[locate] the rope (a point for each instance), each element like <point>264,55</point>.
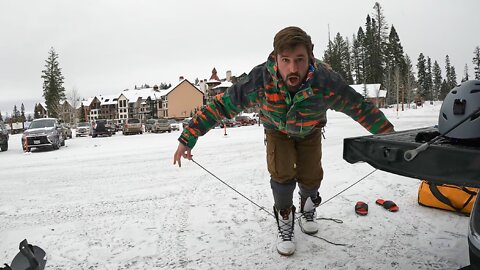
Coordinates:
<point>270,213</point>
<point>345,189</point>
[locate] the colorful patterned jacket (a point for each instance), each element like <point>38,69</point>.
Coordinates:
<point>296,115</point>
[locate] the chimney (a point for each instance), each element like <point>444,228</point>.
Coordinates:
<point>180,78</point>
<point>229,75</point>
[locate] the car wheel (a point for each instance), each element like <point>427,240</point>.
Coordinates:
<point>94,135</point>
<point>4,146</point>
<point>62,143</point>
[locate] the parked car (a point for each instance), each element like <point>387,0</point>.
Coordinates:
<point>3,137</point>
<point>67,131</point>
<point>83,129</point>
<point>161,125</point>
<point>43,132</point>
<point>111,126</point>
<point>186,121</point>
<point>149,125</point>
<point>174,125</point>
<point>100,127</point>
<point>231,122</point>
<point>245,120</point>
<point>132,126</point>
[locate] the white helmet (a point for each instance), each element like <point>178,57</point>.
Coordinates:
<point>460,102</point>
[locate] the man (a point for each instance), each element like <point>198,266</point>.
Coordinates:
<point>294,91</point>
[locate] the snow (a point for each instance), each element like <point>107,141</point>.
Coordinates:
<point>119,203</point>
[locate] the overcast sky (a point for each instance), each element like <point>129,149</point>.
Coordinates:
<point>107,46</point>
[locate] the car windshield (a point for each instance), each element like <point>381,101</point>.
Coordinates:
<point>133,121</point>
<point>151,121</point>
<point>162,121</point>
<point>44,123</point>
<point>83,124</point>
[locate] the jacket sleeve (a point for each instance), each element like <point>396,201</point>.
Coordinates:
<point>339,96</point>
<point>239,96</point>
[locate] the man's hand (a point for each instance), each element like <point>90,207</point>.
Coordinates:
<point>182,151</point>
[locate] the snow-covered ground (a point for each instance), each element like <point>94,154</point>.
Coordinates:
<point>119,203</point>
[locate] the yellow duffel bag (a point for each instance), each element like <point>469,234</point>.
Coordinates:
<point>447,197</point>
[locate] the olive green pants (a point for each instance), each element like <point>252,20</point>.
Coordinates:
<point>294,160</point>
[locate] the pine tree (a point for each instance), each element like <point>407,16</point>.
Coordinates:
<point>53,90</point>
<point>381,39</point>
<point>437,80</point>
<point>1,117</point>
<point>444,89</point>
<point>358,56</point>
<point>368,44</point>
<point>338,57</point>
<point>453,78</point>
<point>421,75</point>
<point>81,114</point>
<point>36,111</point>
<point>395,64</point>
<point>22,113</point>
<point>15,114</point>
<point>450,76</point>
<point>476,62</point>
<point>409,78</point>
<point>429,80</point>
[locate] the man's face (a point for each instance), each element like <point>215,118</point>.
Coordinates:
<point>293,66</point>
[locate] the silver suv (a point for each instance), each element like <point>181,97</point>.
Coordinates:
<point>162,125</point>
<point>132,126</point>
<point>43,132</point>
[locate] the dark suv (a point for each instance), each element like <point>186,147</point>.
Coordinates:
<point>101,127</point>
<point>3,137</point>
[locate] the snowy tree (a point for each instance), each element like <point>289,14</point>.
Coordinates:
<point>465,73</point>
<point>53,90</point>
<point>476,62</point>
<point>74,99</point>
<point>1,117</point>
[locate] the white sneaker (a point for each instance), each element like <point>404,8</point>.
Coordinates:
<point>307,221</point>
<point>285,222</point>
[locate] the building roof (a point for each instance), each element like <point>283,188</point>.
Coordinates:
<point>224,84</point>
<point>108,99</point>
<point>373,90</point>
